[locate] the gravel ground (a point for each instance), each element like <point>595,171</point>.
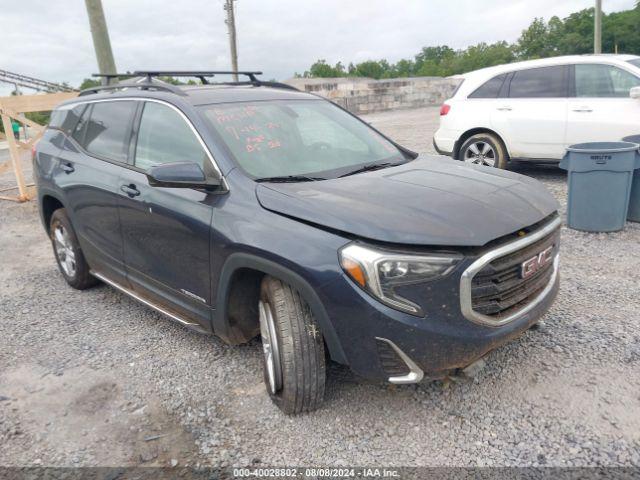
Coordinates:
<point>93,378</point>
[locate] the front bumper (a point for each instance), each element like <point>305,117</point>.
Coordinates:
<point>436,346</point>
<point>446,338</point>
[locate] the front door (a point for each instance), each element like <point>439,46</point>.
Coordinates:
<point>602,110</point>
<point>167,231</point>
<point>532,118</point>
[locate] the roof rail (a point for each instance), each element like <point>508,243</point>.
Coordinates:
<point>148,79</point>
<point>141,83</point>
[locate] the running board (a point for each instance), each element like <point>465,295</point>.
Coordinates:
<point>193,326</point>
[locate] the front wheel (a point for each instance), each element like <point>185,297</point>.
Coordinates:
<point>294,357</point>
<point>484,149</point>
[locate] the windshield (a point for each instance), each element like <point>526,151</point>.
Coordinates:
<point>635,62</point>
<point>313,139</point>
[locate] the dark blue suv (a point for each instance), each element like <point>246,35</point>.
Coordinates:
<point>251,208</point>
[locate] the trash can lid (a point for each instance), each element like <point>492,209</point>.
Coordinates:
<point>603,147</point>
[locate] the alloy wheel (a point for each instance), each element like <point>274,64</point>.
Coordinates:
<point>270,347</point>
<point>64,250</point>
<point>480,153</point>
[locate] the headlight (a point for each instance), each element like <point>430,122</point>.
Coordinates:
<point>380,272</point>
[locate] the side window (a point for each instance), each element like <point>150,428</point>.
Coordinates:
<point>66,119</point>
<point>165,137</point>
<point>603,81</point>
<point>108,130</point>
<point>80,127</point>
<point>490,89</point>
<point>544,82</point>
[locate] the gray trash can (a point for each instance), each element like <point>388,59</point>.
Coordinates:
<point>634,201</point>
<point>599,180</point>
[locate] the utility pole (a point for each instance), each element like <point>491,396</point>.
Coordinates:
<point>231,25</point>
<point>101,43</point>
<point>597,29</point>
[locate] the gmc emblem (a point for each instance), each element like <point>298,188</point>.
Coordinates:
<point>531,266</point>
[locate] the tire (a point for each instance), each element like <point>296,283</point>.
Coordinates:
<point>295,374</point>
<point>484,149</point>
<point>66,249</point>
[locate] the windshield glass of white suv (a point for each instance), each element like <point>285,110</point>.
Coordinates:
<point>635,62</point>
<point>298,138</point>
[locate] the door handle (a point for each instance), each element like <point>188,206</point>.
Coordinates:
<point>583,109</point>
<point>67,168</point>
<point>506,108</point>
<point>130,190</point>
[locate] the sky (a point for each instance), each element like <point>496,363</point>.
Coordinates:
<point>51,40</point>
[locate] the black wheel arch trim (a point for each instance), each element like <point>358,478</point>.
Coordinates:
<point>241,260</point>
<point>47,192</point>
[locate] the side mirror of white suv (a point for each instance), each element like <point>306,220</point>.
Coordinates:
<point>634,92</point>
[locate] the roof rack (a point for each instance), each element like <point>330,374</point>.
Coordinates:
<point>147,79</point>
<point>202,75</point>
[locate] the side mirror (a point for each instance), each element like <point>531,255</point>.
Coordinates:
<point>180,175</point>
<point>635,92</point>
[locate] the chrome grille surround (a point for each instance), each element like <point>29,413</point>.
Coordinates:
<point>466,303</point>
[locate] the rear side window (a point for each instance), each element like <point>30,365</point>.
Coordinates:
<point>80,128</point>
<point>67,119</point>
<point>603,81</point>
<point>455,91</point>
<point>544,82</point>
<point>165,137</point>
<point>490,89</point>
<point>108,130</point>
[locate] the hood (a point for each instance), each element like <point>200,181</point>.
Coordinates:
<point>428,201</point>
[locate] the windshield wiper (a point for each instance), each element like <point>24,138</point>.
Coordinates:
<point>368,168</point>
<point>290,179</point>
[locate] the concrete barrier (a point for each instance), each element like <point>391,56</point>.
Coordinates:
<point>365,95</point>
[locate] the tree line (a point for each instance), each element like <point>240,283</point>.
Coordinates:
<point>569,36</point>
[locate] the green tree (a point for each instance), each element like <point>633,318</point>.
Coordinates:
<point>89,83</point>
<point>322,69</point>
<point>569,36</point>
<point>372,69</point>
<point>536,41</point>
<point>621,32</point>
<point>484,55</point>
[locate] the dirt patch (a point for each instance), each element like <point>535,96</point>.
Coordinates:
<point>84,416</point>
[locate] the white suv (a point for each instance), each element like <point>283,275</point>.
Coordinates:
<point>534,110</point>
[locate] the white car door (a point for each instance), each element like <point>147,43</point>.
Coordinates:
<point>602,110</point>
<point>532,117</point>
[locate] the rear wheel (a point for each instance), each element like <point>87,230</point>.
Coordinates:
<point>71,261</point>
<point>293,348</point>
<point>484,149</point>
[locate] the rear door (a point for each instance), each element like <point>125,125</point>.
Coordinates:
<point>601,109</point>
<point>88,170</point>
<point>167,231</point>
<point>532,115</point>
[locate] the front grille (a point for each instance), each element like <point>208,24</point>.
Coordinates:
<point>498,289</point>
<point>392,364</point>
